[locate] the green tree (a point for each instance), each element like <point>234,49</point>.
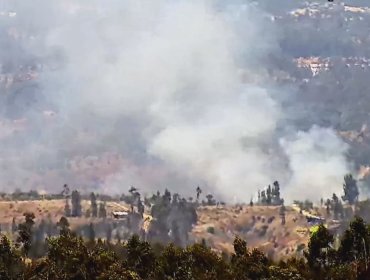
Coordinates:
<point>76,204</point>
<point>248,265</point>
<point>94,205</point>
<point>117,271</point>
<point>355,243</point>
<point>268,195</point>
<point>319,248</point>
<point>174,263</point>
<point>140,257</point>
<point>206,264</point>
<point>67,258</point>
<point>11,265</point>
<point>63,226</point>
<point>25,232</point>
<point>350,189</point>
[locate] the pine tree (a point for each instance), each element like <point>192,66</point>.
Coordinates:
<point>268,195</point>
<point>76,204</point>
<point>94,205</point>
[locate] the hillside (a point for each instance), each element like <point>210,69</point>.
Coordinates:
<point>217,225</point>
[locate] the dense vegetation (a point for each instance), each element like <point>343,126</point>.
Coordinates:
<point>69,256</point>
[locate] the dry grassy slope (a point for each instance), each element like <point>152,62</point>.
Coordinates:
<point>277,241</point>
<point>47,208</point>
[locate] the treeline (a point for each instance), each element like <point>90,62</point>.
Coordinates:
<point>69,256</point>
<point>270,195</point>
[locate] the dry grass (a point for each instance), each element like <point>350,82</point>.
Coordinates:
<point>256,224</point>
<point>259,225</point>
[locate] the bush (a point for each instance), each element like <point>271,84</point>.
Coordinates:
<point>211,230</point>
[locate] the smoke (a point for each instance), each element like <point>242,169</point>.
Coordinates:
<point>316,159</point>
<point>177,88</point>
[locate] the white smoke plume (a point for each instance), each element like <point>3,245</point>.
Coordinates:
<point>176,88</point>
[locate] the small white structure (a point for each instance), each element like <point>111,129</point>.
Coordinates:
<point>119,214</point>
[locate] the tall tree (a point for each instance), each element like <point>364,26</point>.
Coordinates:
<point>268,195</point>
<point>67,208</point>
<point>76,204</point>
<point>11,264</point>
<point>355,243</point>
<point>350,189</point>
<point>328,206</point>
<point>276,193</point>
<point>335,205</point>
<point>263,198</point>
<point>319,248</point>
<point>199,191</point>
<point>25,232</point>
<point>102,210</point>
<point>282,214</point>
<point>94,205</point>
<point>140,208</point>
<point>91,233</point>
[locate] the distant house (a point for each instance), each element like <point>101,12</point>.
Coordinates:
<point>119,214</point>
<point>314,219</point>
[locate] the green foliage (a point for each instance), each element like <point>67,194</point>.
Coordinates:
<point>68,256</point>
<point>11,265</point>
<point>355,243</point>
<point>211,230</point>
<point>246,264</point>
<point>318,254</point>
<point>279,273</point>
<point>76,204</point>
<point>63,225</point>
<point>25,232</point>
<point>350,189</point>
<point>140,257</point>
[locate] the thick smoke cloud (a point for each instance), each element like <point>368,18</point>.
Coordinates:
<point>178,89</point>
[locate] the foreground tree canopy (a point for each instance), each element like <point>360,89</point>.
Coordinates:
<point>69,256</point>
